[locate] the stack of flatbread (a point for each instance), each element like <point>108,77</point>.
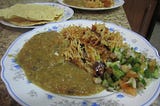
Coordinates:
<point>31,14</point>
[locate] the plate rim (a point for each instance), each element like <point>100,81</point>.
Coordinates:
<point>121,2</point>
<point>8,86</point>
<point>71,11</point>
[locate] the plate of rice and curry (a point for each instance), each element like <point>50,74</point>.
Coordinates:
<point>81,63</point>
<point>32,15</point>
<point>92,4</point>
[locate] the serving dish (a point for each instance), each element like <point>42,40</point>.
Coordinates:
<point>28,94</point>
<point>117,3</point>
<point>68,13</point>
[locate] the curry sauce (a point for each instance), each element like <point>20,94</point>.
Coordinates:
<point>44,65</point>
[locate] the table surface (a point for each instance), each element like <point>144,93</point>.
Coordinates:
<point>8,35</point>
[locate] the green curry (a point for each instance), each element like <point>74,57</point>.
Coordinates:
<point>44,65</point>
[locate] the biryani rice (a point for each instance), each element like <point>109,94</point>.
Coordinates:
<point>88,45</point>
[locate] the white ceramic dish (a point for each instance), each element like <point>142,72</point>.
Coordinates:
<point>117,3</point>
<point>68,13</point>
<point>28,94</point>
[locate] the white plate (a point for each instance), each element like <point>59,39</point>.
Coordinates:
<point>28,94</point>
<point>117,3</point>
<point>68,13</point>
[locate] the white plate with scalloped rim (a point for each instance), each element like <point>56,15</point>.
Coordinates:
<point>117,3</point>
<point>28,94</point>
<point>68,13</point>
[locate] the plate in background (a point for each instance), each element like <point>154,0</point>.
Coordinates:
<point>68,13</point>
<point>117,3</point>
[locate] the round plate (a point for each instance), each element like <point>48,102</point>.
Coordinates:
<point>28,94</point>
<point>68,13</point>
<point>117,3</point>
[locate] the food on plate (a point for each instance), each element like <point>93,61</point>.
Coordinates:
<point>90,3</point>
<point>91,58</point>
<point>24,22</point>
<point>112,63</point>
<point>31,14</point>
<point>44,65</point>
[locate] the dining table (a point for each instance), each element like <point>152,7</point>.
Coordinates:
<point>9,34</point>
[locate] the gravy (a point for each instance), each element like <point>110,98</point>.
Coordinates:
<point>44,65</point>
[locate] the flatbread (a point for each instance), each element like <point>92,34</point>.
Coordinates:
<point>24,22</point>
<point>31,14</point>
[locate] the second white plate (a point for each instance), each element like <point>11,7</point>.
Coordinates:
<point>117,3</point>
<point>68,13</point>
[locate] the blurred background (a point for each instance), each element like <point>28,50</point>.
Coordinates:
<point>144,18</point>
